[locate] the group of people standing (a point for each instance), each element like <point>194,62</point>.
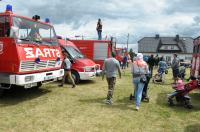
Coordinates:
<point>161,64</point>
<point>139,70</point>
<point>125,61</point>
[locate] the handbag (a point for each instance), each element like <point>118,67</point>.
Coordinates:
<point>143,79</point>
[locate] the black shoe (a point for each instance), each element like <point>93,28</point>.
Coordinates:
<point>61,85</point>
<point>145,99</point>
<point>131,97</point>
<point>73,86</point>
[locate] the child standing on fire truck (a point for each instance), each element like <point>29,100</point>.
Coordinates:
<point>67,69</point>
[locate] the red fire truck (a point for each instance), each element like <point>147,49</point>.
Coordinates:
<point>82,67</point>
<point>195,71</point>
<point>96,50</point>
<point>29,51</point>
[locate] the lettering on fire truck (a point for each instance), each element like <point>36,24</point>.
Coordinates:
<point>46,52</point>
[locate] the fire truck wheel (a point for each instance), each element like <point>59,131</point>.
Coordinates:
<point>1,92</point>
<point>76,77</point>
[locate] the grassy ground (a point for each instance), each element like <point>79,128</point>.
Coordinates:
<point>55,109</point>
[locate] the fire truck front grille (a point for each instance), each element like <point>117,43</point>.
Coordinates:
<point>51,64</point>
<point>32,65</point>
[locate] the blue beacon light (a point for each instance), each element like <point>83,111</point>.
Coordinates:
<point>58,59</point>
<point>47,20</point>
<point>9,8</point>
<point>37,60</point>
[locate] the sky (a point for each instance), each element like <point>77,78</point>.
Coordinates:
<point>138,18</point>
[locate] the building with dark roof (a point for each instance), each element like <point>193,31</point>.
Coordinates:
<point>167,46</point>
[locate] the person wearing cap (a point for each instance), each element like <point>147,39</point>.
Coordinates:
<point>139,70</point>
<point>110,68</point>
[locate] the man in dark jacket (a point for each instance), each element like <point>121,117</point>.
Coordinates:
<point>151,62</point>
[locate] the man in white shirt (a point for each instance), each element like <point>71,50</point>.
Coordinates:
<point>67,68</point>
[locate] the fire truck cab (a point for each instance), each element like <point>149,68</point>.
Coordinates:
<point>96,50</point>
<point>82,68</point>
<point>29,51</point>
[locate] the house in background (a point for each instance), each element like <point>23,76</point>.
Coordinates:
<point>167,46</point>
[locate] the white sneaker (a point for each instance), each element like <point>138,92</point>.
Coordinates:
<point>137,108</point>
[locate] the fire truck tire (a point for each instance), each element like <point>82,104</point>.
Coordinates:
<point>76,77</point>
<point>1,92</point>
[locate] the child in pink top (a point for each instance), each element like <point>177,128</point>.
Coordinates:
<point>179,85</point>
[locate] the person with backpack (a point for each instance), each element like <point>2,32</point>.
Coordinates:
<point>139,71</point>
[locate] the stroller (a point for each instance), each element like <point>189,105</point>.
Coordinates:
<point>145,89</point>
<point>181,96</point>
<point>159,77</point>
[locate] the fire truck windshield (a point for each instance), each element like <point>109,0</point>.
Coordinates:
<point>74,53</point>
<point>27,31</point>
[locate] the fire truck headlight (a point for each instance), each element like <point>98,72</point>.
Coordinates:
<point>29,78</point>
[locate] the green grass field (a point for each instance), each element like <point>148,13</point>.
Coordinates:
<point>55,109</point>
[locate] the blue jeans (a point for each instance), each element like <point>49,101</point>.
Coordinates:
<point>99,34</point>
<point>138,90</point>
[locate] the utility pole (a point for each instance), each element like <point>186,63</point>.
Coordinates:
<point>127,41</point>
